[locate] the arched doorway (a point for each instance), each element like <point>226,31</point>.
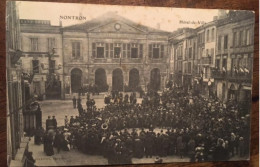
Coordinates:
<point>117,80</point>
<point>232,92</point>
<point>155,79</point>
<point>101,80</point>
<point>133,79</point>
<point>76,77</point>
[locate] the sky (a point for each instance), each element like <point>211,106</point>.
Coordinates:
<point>165,18</point>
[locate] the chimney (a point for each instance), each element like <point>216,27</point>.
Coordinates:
<point>222,14</point>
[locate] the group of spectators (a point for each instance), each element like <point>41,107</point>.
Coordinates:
<point>171,123</point>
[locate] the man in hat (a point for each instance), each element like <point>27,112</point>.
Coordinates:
<point>48,123</point>
<point>66,121</point>
<point>71,120</point>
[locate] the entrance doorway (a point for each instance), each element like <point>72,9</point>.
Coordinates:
<point>117,80</point>
<point>76,77</point>
<point>133,79</point>
<point>101,80</point>
<point>155,79</point>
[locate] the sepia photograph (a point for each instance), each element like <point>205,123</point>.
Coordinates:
<point>108,84</point>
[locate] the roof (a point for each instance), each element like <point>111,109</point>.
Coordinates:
<point>108,18</point>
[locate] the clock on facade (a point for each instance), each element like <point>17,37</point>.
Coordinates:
<point>117,26</point>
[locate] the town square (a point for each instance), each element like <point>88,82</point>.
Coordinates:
<point>109,89</point>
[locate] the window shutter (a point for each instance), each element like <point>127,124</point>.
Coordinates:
<point>107,50</point>
<point>111,50</point>
<point>162,51</point>
<point>150,50</point>
<point>128,50</point>
<point>141,51</point>
<point>93,50</point>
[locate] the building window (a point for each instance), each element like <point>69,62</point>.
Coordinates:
<point>219,43</point>
<point>134,52</point>
<point>235,39</point>
<point>213,34</point>
<point>224,63</point>
<point>51,44</point>
<point>100,52</point>
<point>76,49</point>
<point>244,38</point>
<point>52,66</point>
<point>34,44</point>
<point>35,64</point>
<point>189,67</point>
<point>240,38</point>
<point>218,64</point>
<point>207,36</point>
<point>117,52</point>
<point>190,52</point>
<point>206,72</point>
<point>225,42</point>
<point>156,51</point>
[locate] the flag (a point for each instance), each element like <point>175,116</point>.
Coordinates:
<point>120,56</point>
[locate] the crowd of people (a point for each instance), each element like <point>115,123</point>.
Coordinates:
<point>173,123</point>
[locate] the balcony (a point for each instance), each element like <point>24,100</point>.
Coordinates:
<point>206,61</point>
<point>117,60</point>
<point>232,76</point>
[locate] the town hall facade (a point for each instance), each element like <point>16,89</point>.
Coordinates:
<point>110,52</point>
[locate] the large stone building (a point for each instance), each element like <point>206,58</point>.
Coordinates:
<point>114,53</point>
<point>110,52</point>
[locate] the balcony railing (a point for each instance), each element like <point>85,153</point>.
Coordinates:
<point>206,60</point>
<point>232,76</point>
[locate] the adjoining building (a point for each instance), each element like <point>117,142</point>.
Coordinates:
<point>16,84</point>
<point>216,59</point>
<point>42,57</point>
<point>184,44</point>
<point>234,57</point>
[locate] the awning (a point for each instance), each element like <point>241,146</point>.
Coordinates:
<point>247,87</point>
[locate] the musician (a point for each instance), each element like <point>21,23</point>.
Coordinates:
<point>49,123</point>
<point>66,121</point>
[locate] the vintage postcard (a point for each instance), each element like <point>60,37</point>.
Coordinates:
<point>107,84</point>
